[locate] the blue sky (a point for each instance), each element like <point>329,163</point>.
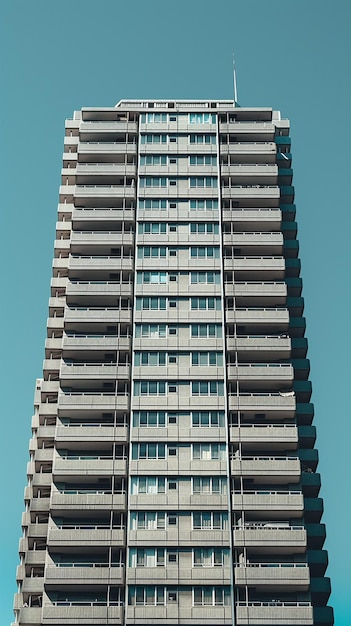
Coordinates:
<point>60,56</point>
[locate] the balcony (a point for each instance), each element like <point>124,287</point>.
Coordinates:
<point>254,128</point>
<point>83,536</point>
<point>270,537</point>
<point>103,195</point>
<point>246,217</point>
<point>264,346</point>
<point>270,434</point>
<point>105,315</point>
<point>274,613</point>
<point>281,468</point>
<point>91,432</point>
<point>37,530</point>
<point>85,574</point>
<point>183,536</point>
<point>107,128</point>
<point>102,237</point>
<point>255,239</point>
<point>249,148</point>
<point>33,584</point>
<point>101,263</point>
<point>176,575</point>
<point>253,292</point>
<point>75,499</point>
<point>92,341</point>
<point>258,264</point>
<point>85,170</point>
<point>174,614</point>
<point>81,465</point>
<point>107,401</point>
<point>274,403</point>
<point>286,503</point>
<point>30,616</point>
<point>93,613</point>
<point>93,371</point>
<point>257,193</point>
<point>105,147</point>
<point>251,172</point>
<point>273,576</point>
<point>262,374</point>
<point>259,316</point>
<point>99,291</point>
<point>82,215</point>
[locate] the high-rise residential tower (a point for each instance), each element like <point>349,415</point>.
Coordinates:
<point>173,475</point>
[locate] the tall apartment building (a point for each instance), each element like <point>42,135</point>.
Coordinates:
<point>172,475</point>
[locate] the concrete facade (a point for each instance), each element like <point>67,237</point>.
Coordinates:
<point>172,475</point>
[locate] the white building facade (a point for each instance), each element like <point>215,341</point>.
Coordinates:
<point>172,475</point>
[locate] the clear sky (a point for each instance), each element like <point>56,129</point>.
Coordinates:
<point>62,55</point>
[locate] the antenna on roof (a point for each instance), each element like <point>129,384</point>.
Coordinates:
<point>234,82</point>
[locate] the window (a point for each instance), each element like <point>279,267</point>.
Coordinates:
<point>203,181</point>
<point>205,419</point>
<point>202,118</point>
<point>204,205</point>
<point>204,304</point>
<point>153,138</point>
<point>155,419</point>
<point>207,484</point>
<point>154,252</point>
<point>149,388</point>
<point>154,388</point>
<point>150,359</point>
<point>209,451</point>
<point>148,484</point>
<point>147,520</point>
<point>153,159</point>
<point>209,139</point>
<point>207,358</point>
<point>148,451</point>
<point>206,330</point>
<point>202,252</point>
<point>147,557</point>
<point>210,520</point>
<point>152,181</point>
<point>150,304</point>
<point>213,596</point>
<point>152,278</point>
<point>203,159</point>
<point>204,227</point>
<point>204,277</point>
<point>153,118</point>
<point>152,228</point>
<point>208,557</point>
<point>207,388</point>
<point>148,595</point>
<point>156,203</point>
<point>150,330</point>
